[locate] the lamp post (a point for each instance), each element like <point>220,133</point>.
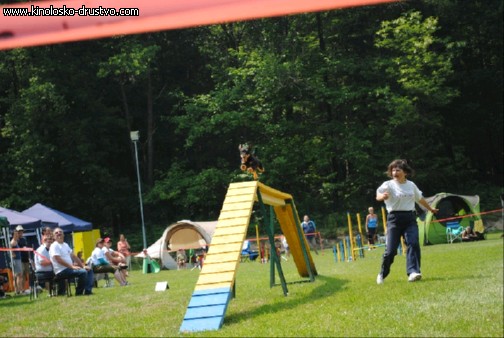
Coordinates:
<point>135,136</point>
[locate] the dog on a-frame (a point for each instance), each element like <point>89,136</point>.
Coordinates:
<point>249,162</point>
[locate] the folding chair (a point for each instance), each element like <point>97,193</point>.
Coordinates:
<point>99,276</point>
<point>66,282</point>
<point>102,276</point>
<point>245,253</point>
<point>36,282</point>
<point>453,231</point>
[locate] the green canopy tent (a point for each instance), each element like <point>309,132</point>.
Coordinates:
<point>4,222</point>
<point>452,207</point>
<point>4,228</point>
<point>4,241</point>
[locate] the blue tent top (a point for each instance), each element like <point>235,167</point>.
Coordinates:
<point>66,222</point>
<point>16,218</point>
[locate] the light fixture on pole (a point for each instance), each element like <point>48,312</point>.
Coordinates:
<point>135,137</point>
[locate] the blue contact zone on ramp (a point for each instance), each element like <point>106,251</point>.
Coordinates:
<point>206,310</point>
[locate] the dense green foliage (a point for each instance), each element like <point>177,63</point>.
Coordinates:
<point>328,99</point>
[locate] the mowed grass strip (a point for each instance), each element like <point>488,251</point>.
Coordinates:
<point>460,295</point>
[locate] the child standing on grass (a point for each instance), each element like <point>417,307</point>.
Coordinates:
<point>400,195</point>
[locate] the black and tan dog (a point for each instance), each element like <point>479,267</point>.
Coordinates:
<point>249,162</point>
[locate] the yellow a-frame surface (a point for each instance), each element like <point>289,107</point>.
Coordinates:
<point>213,290</point>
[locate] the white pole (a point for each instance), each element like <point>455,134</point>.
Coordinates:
<point>140,195</point>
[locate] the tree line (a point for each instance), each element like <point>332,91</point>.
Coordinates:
<point>327,99</point>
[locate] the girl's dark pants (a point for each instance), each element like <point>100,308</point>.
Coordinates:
<point>402,223</point>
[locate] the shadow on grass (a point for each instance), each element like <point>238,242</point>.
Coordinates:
<point>14,301</point>
<point>328,286</point>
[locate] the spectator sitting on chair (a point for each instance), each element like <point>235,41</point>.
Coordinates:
<point>63,258</point>
<point>469,235</point>
<point>80,258</point>
<point>47,231</point>
<point>43,266</point>
<point>102,265</point>
<point>115,257</point>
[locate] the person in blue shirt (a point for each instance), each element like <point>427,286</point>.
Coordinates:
<point>309,230</point>
<point>371,226</point>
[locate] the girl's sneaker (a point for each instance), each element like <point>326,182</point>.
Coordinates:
<point>414,276</point>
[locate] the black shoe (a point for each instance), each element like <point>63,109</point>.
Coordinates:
<point>88,293</point>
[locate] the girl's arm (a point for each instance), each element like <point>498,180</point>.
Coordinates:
<point>424,203</point>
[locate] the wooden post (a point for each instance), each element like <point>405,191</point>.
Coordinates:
<point>258,241</point>
<point>268,222</point>
<point>384,218</point>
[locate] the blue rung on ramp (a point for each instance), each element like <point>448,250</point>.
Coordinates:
<point>206,310</point>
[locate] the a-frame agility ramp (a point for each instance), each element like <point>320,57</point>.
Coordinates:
<point>214,287</point>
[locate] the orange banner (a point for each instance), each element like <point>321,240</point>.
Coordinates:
<point>48,22</point>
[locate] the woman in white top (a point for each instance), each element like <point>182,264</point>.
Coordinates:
<point>115,258</point>
<point>400,196</point>
<point>43,266</point>
<point>102,265</point>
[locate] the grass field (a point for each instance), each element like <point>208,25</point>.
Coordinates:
<point>461,295</point>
